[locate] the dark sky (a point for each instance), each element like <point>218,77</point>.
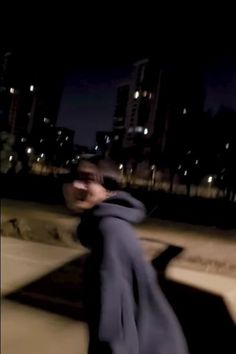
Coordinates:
<point>96,48</point>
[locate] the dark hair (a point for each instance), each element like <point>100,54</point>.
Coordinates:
<point>107,172</point>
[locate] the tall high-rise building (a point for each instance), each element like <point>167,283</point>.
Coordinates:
<point>159,97</point>
<point>29,94</point>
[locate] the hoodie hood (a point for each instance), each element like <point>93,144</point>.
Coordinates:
<point>121,206</point>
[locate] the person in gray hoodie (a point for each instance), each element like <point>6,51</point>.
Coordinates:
<point>126,310</point>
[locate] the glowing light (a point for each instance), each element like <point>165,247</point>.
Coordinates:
<point>136,95</point>
<point>12,90</point>
<point>10,157</point>
<point>29,150</point>
<point>31,88</point>
<point>210,179</point>
<point>185,172</point>
<point>121,166</point>
<point>145,131</point>
<point>184,111</point>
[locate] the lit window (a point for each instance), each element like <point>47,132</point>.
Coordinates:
<point>96,148</point>
<point>10,157</point>
<point>31,88</point>
<point>29,150</point>
<point>136,95</point>
<point>46,120</point>
<point>184,111</point>
<point>196,162</point>
<point>42,155</point>
<point>185,172</point>
<point>145,93</point>
<point>38,159</point>
<point>67,138</point>
<point>179,167</point>
<point>145,131</point>
<point>23,140</point>
<point>210,179</point>
<point>121,166</point>
<point>12,90</point>
<point>227,146</point>
<point>139,129</point>
<point>59,132</point>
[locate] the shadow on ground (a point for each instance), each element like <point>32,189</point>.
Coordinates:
<point>203,316</point>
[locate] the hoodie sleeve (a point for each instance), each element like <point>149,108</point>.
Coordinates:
<point>110,326</point>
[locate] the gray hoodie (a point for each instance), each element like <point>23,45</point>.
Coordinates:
<point>127,312</point>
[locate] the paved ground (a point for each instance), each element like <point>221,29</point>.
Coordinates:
<point>208,263</point>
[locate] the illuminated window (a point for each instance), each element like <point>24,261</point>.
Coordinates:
<point>67,138</point>
<point>185,172</point>
<point>227,146</point>
<point>23,140</point>
<point>121,166</point>
<point>184,111</point>
<point>31,88</point>
<point>136,95</point>
<point>145,131</point>
<point>46,120</point>
<point>42,155</point>
<point>59,132</point>
<point>10,157</point>
<point>12,90</point>
<point>139,129</point>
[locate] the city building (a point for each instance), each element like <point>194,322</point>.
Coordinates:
<point>160,100</point>
<point>30,95</point>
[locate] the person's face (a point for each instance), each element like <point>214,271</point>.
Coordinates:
<point>86,191</point>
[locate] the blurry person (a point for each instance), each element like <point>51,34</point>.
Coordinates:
<point>127,312</point>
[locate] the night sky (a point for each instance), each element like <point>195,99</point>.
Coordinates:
<point>95,52</point>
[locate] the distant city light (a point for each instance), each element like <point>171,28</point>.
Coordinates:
<point>12,90</point>
<point>145,93</point>
<point>139,129</point>
<point>23,140</point>
<point>41,140</point>
<point>10,157</point>
<point>196,162</point>
<point>29,150</point>
<point>179,167</point>
<point>78,157</point>
<point>184,111</point>
<point>185,172</point>
<point>145,131</point>
<point>116,137</point>
<point>46,120</point>
<point>108,140</point>
<point>96,148</point>
<point>38,159</point>
<point>150,96</point>
<point>136,95</point>
<point>42,155</point>
<point>59,132</point>
<point>227,146</point>
<point>31,88</point>
<point>210,179</point>
<point>121,166</point>
<point>67,138</point>
<point>61,144</point>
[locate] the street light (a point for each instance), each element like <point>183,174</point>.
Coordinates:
<point>29,150</point>
<point>31,88</point>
